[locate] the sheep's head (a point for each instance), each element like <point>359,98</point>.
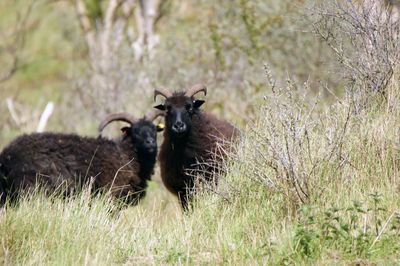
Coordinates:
<point>179,108</point>
<point>142,132</point>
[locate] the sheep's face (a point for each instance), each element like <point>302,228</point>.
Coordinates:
<point>179,112</point>
<point>144,136</point>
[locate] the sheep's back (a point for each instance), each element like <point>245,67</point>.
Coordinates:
<point>57,159</point>
<point>214,136</point>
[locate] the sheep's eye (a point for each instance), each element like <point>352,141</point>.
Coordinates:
<point>188,107</point>
<point>169,107</point>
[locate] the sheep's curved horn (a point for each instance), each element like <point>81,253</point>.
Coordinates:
<point>163,92</point>
<point>125,117</point>
<point>152,115</point>
<point>196,89</point>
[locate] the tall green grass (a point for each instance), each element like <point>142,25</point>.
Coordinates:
<point>351,214</point>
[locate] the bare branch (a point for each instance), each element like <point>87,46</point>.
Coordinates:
<point>18,34</point>
<point>11,71</point>
<point>85,23</point>
<point>13,113</point>
<point>109,19</point>
<point>365,38</point>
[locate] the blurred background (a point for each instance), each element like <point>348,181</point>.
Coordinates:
<point>93,57</point>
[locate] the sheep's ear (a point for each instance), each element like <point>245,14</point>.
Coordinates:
<point>160,107</point>
<point>160,127</point>
<point>125,130</point>
<point>198,103</point>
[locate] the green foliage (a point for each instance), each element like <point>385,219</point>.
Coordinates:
<point>347,229</point>
<point>306,238</point>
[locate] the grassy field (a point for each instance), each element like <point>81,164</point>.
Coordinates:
<point>312,181</point>
<point>350,215</point>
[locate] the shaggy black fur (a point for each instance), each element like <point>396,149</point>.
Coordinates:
<point>144,137</point>
<point>193,146</point>
<point>67,161</point>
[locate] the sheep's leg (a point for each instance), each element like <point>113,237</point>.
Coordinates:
<point>3,186</point>
<point>131,194</point>
<point>185,199</point>
<point>2,193</point>
<point>132,197</point>
<point>20,182</point>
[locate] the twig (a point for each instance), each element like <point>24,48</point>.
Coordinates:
<point>11,109</point>
<point>116,173</point>
<point>91,161</point>
<point>383,229</point>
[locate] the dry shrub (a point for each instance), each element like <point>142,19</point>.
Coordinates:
<point>291,143</point>
<point>302,149</point>
<point>365,37</point>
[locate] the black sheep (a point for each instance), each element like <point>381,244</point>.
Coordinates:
<point>194,142</point>
<point>67,161</point>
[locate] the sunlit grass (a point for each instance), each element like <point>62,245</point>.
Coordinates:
<point>352,216</point>
<point>346,160</point>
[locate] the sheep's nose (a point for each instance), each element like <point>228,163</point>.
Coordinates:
<point>150,142</point>
<point>179,127</point>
